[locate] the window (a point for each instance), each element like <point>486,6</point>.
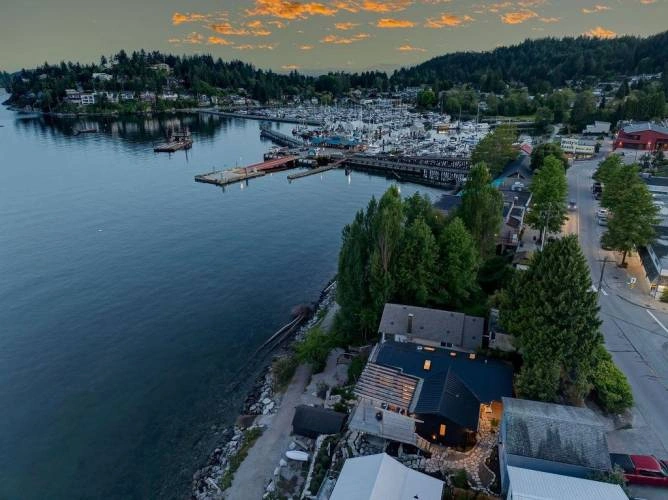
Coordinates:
<point>427,365</point>
<point>441,430</point>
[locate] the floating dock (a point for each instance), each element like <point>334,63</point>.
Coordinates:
<point>315,171</point>
<point>281,139</point>
<point>170,147</point>
<point>232,175</point>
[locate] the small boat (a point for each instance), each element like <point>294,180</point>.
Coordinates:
<point>90,130</point>
<point>299,456</point>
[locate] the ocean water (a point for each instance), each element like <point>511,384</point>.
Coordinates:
<point>132,298</point>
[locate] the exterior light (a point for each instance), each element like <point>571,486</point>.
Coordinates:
<point>427,365</point>
<point>453,354</point>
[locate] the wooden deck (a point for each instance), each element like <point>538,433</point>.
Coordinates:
<point>240,174</point>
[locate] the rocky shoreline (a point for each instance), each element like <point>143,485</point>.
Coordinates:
<point>260,400</point>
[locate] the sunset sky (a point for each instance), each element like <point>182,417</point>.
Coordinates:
<point>312,36</point>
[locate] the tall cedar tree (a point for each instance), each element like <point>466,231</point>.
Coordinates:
<point>496,149</point>
<point>481,209</point>
<point>553,313</point>
<point>549,188</point>
<point>634,213</point>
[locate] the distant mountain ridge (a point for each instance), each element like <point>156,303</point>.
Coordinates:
<point>551,60</point>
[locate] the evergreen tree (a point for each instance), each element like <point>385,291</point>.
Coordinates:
<point>584,110</point>
<point>633,212</point>
<point>542,151</point>
<point>496,149</point>
<point>457,266</point>
<point>553,314</point>
<point>549,189</point>
<point>416,267</point>
<point>481,209</point>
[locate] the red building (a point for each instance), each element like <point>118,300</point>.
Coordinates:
<point>645,136</point>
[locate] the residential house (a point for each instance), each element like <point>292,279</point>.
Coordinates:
<point>169,96</point>
<point>147,96</point>
<point>381,477</point>
<point>516,173</point>
<point>553,438</point>
<point>311,421</point>
<point>126,95</point>
<point>654,259</point>
<point>87,98</point>
<point>425,396</point>
<point>161,67</point>
<point>431,327</point>
<point>73,96</point>
<point>527,484</point>
<point>103,77</point>
<point>516,201</point>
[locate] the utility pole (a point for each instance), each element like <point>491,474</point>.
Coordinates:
<point>600,279</point>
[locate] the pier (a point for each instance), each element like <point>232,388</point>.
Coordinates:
<point>239,174</point>
<point>314,171</point>
<point>281,139</point>
<point>440,172</point>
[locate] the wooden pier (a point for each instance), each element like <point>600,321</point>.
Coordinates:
<point>440,172</point>
<point>314,171</point>
<point>240,174</point>
<point>281,139</point>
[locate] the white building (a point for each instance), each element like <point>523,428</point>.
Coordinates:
<point>162,67</point>
<point>169,96</point>
<point>526,484</point>
<point>126,95</point>
<point>381,477</point>
<point>578,147</point>
<point>73,96</point>
<point>597,128</point>
<point>103,77</point>
<point>87,98</point>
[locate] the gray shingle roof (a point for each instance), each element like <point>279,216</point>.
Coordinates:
<point>641,127</point>
<point>435,325</point>
<point>555,433</point>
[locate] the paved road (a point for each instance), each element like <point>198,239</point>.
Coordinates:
<point>634,326</point>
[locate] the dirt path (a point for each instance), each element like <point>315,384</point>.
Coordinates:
<point>258,467</point>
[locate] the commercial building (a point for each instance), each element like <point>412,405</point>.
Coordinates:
<point>598,128</point>
<point>642,136</point>
<point>578,147</point>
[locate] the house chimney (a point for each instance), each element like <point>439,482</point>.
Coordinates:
<point>410,323</point>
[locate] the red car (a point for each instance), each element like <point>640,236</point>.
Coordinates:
<point>642,469</point>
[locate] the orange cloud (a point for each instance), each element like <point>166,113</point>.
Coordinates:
<point>216,40</point>
<point>277,24</point>
<point>518,17</point>
<point>410,48</point>
<point>290,67</point>
<point>595,9</point>
<point>338,40</point>
<point>345,26</point>
<point>305,47</point>
<point>600,32</point>
<point>496,7</point>
<point>447,20</point>
<point>382,7</point>
<point>261,46</point>
<point>179,18</point>
<point>288,9</point>
<point>394,23</point>
<point>225,28</point>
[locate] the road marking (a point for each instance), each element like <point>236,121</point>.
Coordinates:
<point>595,289</point>
<point>604,292</point>
<point>657,321</point>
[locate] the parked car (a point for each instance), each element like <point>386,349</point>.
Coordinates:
<point>642,469</point>
<point>572,205</point>
<point>602,212</point>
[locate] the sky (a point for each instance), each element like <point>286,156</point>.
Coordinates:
<point>311,36</point>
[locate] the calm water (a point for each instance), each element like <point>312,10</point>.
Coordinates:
<point>131,297</point>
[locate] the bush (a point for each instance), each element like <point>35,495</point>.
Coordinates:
<point>664,295</point>
<point>283,369</point>
<point>314,349</point>
<point>460,479</point>
<point>611,388</point>
<point>355,368</point>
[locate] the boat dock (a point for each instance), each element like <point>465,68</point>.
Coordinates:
<point>314,171</point>
<point>281,139</point>
<point>239,174</point>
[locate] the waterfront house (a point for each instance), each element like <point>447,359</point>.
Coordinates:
<point>526,484</point>
<point>103,77</point>
<point>381,477</point>
<point>431,327</point>
<point>73,96</point>
<point>552,438</point>
<point>87,98</point>
<point>424,396</point>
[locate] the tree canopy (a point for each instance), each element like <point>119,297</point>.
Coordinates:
<point>544,150</point>
<point>496,149</point>
<point>549,189</point>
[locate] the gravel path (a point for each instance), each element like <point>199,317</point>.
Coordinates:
<point>258,467</point>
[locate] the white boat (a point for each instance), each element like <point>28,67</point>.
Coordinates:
<point>299,456</point>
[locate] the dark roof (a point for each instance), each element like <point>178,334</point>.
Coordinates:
<point>518,168</point>
<point>556,433</point>
<point>656,181</point>
<point>517,198</point>
<point>650,269</point>
<point>448,202</point>
<point>642,127</point>
<point>435,325</point>
<point>312,421</point>
<point>455,385</point>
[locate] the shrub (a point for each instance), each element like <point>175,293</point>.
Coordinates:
<point>283,369</point>
<point>460,479</point>
<point>355,368</point>
<point>612,390</point>
<point>314,349</point>
<point>664,295</point>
